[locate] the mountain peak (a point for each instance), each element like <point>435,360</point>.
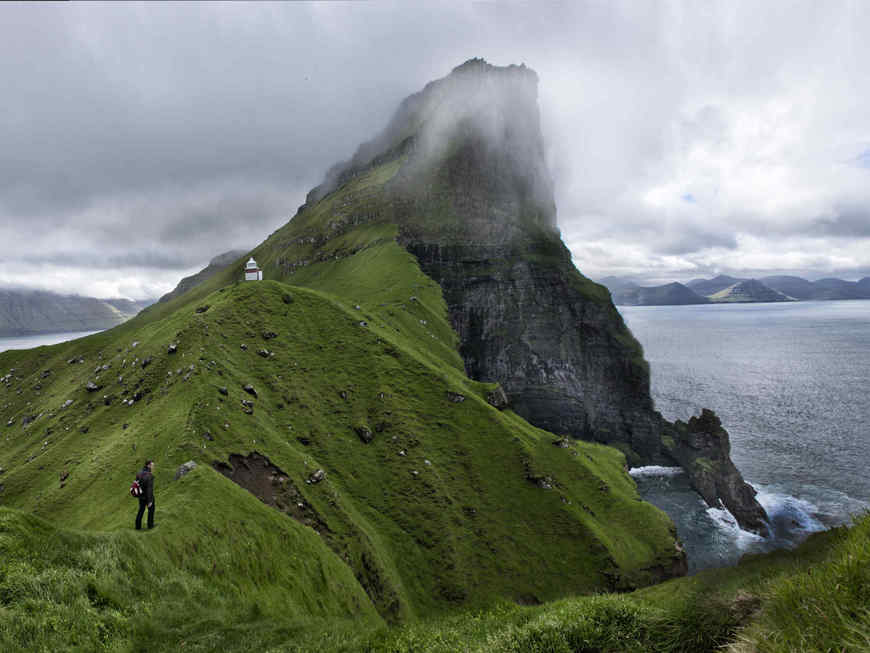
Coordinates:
<point>491,109</point>
<point>749,290</point>
<point>480,66</point>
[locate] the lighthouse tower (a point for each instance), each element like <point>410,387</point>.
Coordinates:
<point>252,272</point>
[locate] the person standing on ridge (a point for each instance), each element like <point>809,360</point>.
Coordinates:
<point>146,499</point>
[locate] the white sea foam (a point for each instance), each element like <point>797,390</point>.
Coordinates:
<point>791,518</point>
<point>655,470</point>
<point>730,530</point>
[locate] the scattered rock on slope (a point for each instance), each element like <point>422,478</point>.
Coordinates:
<point>183,469</point>
<point>365,433</point>
<point>497,398</point>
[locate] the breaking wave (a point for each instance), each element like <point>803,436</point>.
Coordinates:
<point>654,470</point>
<point>713,538</point>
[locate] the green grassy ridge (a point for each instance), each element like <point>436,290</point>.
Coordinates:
<point>345,245</point>
<point>354,217</point>
<point>469,528</point>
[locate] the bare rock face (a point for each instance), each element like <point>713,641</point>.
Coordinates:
<point>274,487</point>
<point>566,360</point>
<point>702,448</point>
<point>497,398</point>
<point>474,203</point>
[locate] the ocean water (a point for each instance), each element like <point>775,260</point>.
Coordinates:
<point>791,383</point>
<point>29,342</point>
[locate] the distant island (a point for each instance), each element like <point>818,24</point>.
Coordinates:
<point>724,289</point>
<point>31,312</point>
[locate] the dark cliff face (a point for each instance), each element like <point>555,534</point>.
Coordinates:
<point>565,358</point>
<point>474,202</point>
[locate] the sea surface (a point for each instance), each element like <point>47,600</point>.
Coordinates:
<point>29,342</point>
<point>791,383</point>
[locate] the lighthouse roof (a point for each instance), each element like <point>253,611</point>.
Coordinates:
<point>251,263</point>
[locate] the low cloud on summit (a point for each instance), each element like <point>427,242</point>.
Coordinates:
<point>685,139</point>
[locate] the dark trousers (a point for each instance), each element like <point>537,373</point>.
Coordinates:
<point>143,503</point>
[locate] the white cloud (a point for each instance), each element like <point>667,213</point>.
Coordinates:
<point>684,138</point>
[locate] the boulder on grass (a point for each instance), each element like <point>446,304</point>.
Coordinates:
<point>189,466</point>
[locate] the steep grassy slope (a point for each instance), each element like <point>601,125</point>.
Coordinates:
<point>813,599</point>
<point>221,571</point>
<point>451,502</point>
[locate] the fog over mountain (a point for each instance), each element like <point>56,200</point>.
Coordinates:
<point>686,140</point>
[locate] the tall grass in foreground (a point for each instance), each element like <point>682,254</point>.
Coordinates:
<point>62,590</point>
<point>818,608</point>
<point>813,599</point>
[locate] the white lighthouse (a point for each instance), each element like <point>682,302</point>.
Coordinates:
<point>252,272</point>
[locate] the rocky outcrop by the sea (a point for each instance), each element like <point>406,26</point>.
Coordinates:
<point>703,449</point>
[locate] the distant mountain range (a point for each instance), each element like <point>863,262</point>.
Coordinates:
<point>725,289</point>
<point>25,312</point>
<point>30,312</point>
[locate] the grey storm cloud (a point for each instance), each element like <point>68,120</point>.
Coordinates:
<point>687,242</point>
<point>140,140</point>
<point>846,222</point>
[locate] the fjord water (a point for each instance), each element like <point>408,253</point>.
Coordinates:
<point>791,383</point>
<point>39,340</point>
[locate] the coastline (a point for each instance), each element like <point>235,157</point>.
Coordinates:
<point>30,341</point>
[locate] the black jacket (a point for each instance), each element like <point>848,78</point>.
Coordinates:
<point>146,482</point>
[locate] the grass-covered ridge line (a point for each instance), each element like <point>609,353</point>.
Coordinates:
<point>452,503</point>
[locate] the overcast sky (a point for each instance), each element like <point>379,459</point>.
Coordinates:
<point>685,139</point>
